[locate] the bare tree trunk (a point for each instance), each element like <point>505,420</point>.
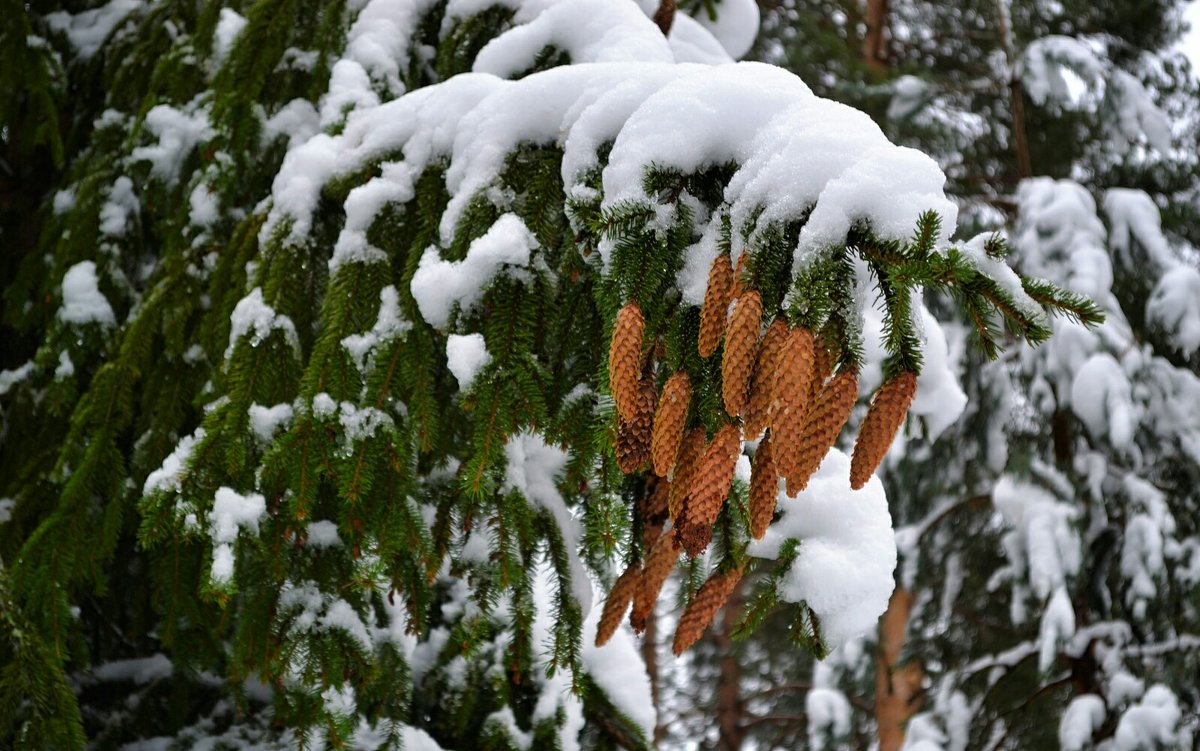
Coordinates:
<point>665,16</point>
<point>730,711</point>
<point>874,45</point>
<point>650,657</point>
<point>1016,91</point>
<point>897,687</point>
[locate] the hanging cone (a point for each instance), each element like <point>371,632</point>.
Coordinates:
<point>822,368</point>
<point>703,608</point>
<point>762,383</point>
<point>690,453</point>
<point>741,350</point>
<point>618,600</point>
<point>741,278</point>
<point>716,305</point>
<point>659,564</point>
<point>633,436</point>
<point>791,402</point>
<point>764,489</point>
<point>710,487</point>
<point>825,421</point>
<point>669,422</point>
<point>884,418</point>
<point>654,510</point>
<point>624,354</point>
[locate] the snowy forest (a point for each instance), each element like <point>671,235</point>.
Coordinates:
<point>585,375</point>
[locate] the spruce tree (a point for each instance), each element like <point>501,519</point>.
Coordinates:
<point>334,337</point>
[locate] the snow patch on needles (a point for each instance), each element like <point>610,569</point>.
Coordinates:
<point>533,470</point>
<point>178,132</point>
<point>231,512</point>
<point>169,477</point>
<point>466,355</point>
<point>229,25</point>
<point>83,302</point>
<point>253,316</point>
<point>438,285</point>
<point>843,570</point>
<point>390,324</point>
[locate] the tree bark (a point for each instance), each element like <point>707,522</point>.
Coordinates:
<point>665,16</point>
<point>730,709</point>
<point>1016,92</point>
<point>874,44</point>
<point>897,687</point>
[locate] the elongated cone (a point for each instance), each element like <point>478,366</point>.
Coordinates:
<point>883,419</point>
<point>704,606</point>
<point>669,422</point>
<point>716,305</point>
<point>762,383</point>
<point>710,487</point>
<point>791,402</point>
<point>822,369</point>
<point>764,489</point>
<point>618,600</point>
<point>633,436</point>
<point>740,275</point>
<point>690,454</point>
<point>659,564</point>
<point>624,354</point>
<point>825,421</point>
<point>741,350</point>
<point>654,510</point>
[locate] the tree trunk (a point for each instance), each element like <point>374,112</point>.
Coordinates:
<point>729,700</point>
<point>874,45</point>
<point>1016,91</point>
<point>897,687</point>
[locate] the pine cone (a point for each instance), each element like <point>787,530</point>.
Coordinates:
<point>883,419</point>
<point>710,487</point>
<point>624,354</point>
<point>822,369</point>
<point>690,453</point>
<point>654,510</point>
<point>703,608</point>
<point>741,278</point>
<point>824,423</point>
<point>764,489</point>
<point>633,436</point>
<point>618,599</point>
<point>762,384</point>
<point>716,305</point>
<point>741,350</point>
<point>791,402</point>
<point>659,564</point>
<point>669,422</point>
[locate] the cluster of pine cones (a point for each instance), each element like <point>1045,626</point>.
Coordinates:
<point>778,386</point>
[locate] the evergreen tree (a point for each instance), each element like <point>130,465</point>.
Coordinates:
<point>334,334</point>
<point>1044,503</point>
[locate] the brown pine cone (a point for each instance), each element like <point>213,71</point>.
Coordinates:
<point>764,489</point>
<point>791,402</point>
<point>669,422</point>
<point>633,436</point>
<point>618,599</point>
<point>741,350</point>
<point>710,487</point>
<point>825,421</point>
<point>822,368</point>
<point>654,510</point>
<point>624,355</point>
<point>741,278</point>
<point>703,608</point>
<point>762,383</point>
<point>690,453</point>
<point>884,418</point>
<point>659,564</point>
<point>716,305</point>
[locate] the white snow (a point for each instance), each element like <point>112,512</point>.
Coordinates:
<point>390,324</point>
<point>178,132</point>
<point>64,201</point>
<point>1174,306</point>
<point>10,378</point>
<point>266,421</point>
<point>1101,397</point>
<point>229,25</point>
<point>533,470</point>
<point>323,534</point>
<point>735,26</point>
<point>122,205</point>
<point>83,302</point>
<point>439,285</point>
<point>141,670</point>
<point>6,507</point>
<point>231,511</point>
<point>203,207</point>
<point>466,355</point>
<point>169,476</point>
<point>847,553</point>
<point>65,368</point>
<point>1152,723</point>
<point>88,29</point>
<point>253,316</point>
<point>1082,718</point>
